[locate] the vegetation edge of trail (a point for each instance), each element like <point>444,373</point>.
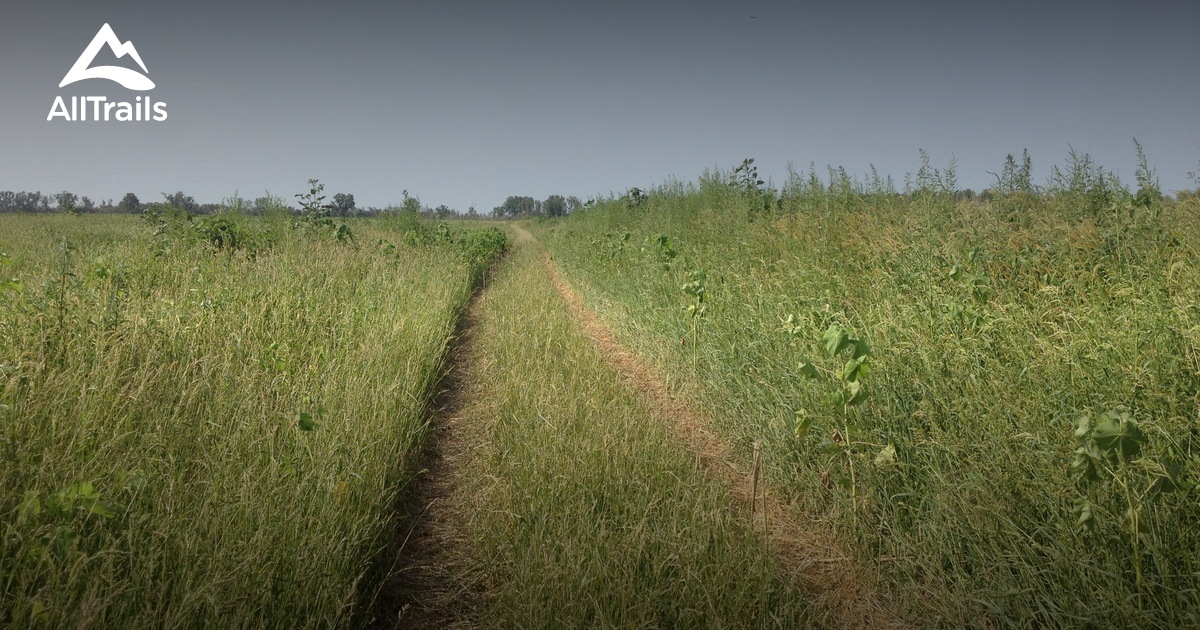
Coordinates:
<point>807,551</point>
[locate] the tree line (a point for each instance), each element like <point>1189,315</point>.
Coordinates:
<point>553,206</point>
<point>342,205</point>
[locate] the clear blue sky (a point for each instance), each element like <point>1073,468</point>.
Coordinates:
<point>465,103</point>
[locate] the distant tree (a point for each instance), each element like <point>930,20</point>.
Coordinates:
<point>343,204</point>
<point>86,204</point>
<point>471,213</point>
<point>17,202</point>
<point>262,204</point>
<point>554,206</point>
<point>66,201</point>
<point>129,203</point>
<point>444,212</point>
<point>8,201</point>
<point>517,207</point>
<point>28,202</point>
<point>573,204</point>
<point>182,201</point>
<point>271,204</point>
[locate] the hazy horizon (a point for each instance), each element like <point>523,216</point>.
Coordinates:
<point>466,103</point>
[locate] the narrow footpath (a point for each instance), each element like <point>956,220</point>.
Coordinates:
<point>421,590</point>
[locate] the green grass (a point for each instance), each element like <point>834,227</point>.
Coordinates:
<point>579,508</point>
<point>243,419</point>
<point>992,326</point>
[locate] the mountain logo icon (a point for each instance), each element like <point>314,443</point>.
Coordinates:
<point>130,79</point>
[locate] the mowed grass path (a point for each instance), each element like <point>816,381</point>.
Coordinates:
<point>577,507</point>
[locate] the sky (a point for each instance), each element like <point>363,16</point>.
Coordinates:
<point>464,103</point>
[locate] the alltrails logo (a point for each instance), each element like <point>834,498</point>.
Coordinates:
<point>142,108</point>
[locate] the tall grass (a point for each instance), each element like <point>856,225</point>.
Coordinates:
<point>577,508</point>
<point>191,436</point>
<point>993,328</point>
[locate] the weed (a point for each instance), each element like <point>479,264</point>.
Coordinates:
<point>696,290</point>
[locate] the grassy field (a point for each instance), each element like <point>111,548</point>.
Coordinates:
<point>578,507</point>
<point>995,404</point>
<point>208,422</point>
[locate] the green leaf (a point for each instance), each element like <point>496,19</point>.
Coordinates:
<point>305,421</point>
<point>31,506</point>
<point>1164,476</point>
<point>803,424</point>
<point>1160,485</point>
<point>1117,433</point>
<point>57,506</point>
<point>86,492</point>
<point>835,340</point>
<point>857,392</point>
<point>1083,425</point>
<point>103,509</point>
<point>1084,517</point>
<point>887,456</point>
<point>835,399</point>
<point>1084,465</point>
<point>982,294</point>
<point>809,370</point>
<point>855,369</point>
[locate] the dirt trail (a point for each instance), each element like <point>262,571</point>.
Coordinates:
<point>807,550</point>
<point>421,591</point>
